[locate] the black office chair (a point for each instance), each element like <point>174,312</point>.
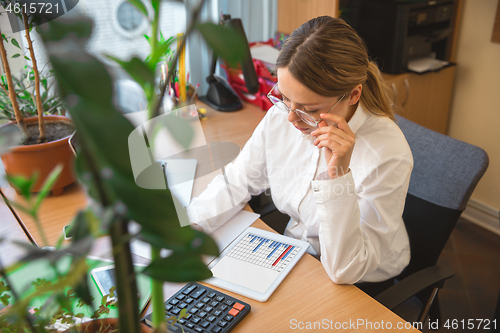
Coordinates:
<point>445,173</point>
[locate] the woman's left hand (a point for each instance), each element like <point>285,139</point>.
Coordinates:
<point>338,144</point>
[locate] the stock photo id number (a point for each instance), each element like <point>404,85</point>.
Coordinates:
<point>34,7</point>
<point>38,11</point>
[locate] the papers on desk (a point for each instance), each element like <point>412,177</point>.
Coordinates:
<point>180,178</point>
<point>265,53</point>
<point>222,236</point>
<point>426,64</point>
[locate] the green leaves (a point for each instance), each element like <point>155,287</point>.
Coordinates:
<point>15,43</point>
<point>56,287</point>
<point>17,55</point>
<point>138,70</point>
<point>187,240</point>
<point>47,185</point>
<point>226,42</point>
<point>23,184</point>
<point>85,224</point>
<point>156,5</point>
<point>140,6</point>
<point>80,28</point>
<point>4,297</point>
<point>162,50</point>
<point>104,164</point>
<point>178,268</point>
<point>77,249</point>
<point>25,91</point>
<point>184,264</point>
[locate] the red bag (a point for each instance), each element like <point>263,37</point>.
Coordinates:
<point>266,83</point>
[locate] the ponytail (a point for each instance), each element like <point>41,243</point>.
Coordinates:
<point>374,96</point>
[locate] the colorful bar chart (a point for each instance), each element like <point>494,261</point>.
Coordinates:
<point>263,252</point>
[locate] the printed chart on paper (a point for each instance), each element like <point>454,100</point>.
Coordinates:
<point>264,252</point>
<point>255,262</point>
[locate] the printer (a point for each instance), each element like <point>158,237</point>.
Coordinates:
<point>399,31</point>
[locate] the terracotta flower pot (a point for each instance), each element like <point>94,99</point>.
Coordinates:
<point>25,160</point>
<point>105,326</point>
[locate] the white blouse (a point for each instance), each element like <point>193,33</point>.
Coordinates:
<point>354,222</point>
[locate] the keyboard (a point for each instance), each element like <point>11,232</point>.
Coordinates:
<point>208,310</point>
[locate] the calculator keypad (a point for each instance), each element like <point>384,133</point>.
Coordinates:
<point>208,310</point>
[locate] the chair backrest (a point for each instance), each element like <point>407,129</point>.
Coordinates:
<point>445,172</point>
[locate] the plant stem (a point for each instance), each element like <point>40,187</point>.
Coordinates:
<point>12,92</point>
<point>153,41</point>
<point>39,105</point>
<point>173,64</point>
<point>15,295</point>
<point>156,286</point>
<point>40,229</point>
<point>126,285</point>
<point>157,292</point>
<point>5,90</point>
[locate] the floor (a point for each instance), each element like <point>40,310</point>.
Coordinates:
<point>472,293</point>
<point>474,255</point>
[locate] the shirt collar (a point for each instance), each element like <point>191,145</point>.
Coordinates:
<point>358,118</point>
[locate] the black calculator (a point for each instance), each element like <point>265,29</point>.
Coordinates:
<point>208,310</point>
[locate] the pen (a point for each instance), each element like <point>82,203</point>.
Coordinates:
<point>194,93</point>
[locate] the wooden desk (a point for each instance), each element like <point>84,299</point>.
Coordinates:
<point>307,295</point>
<point>11,230</point>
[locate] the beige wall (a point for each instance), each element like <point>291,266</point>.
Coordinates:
<point>475,115</point>
<point>16,64</point>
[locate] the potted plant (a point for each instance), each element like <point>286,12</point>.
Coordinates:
<point>103,163</point>
<point>26,97</point>
<point>45,287</point>
<point>45,142</point>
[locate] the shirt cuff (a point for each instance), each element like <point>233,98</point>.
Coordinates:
<point>199,218</point>
<point>332,189</point>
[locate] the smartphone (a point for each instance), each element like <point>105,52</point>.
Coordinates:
<point>73,143</point>
<point>105,279</point>
<point>67,232</point>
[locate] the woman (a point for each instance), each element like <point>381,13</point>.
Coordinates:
<point>331,154</point>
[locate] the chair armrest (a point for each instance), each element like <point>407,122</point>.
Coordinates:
<point>433,276</point>
<point>265,209</point>
<point>262,209</point>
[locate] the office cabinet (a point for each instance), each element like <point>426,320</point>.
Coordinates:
<point>292,13</point>
<point>423,98</point>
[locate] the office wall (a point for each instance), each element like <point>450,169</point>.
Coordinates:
<point>259,17</point>
<point>16,64</point>
<point>475,116</point>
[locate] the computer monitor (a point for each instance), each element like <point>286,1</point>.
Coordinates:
<point>220,94</point>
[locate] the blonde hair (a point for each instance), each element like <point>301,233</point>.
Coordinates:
<point>327,56</point>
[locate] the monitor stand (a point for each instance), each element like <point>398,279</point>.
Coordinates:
<point>220,96</point>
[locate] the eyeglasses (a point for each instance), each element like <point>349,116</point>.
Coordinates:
<point>308,119</point>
